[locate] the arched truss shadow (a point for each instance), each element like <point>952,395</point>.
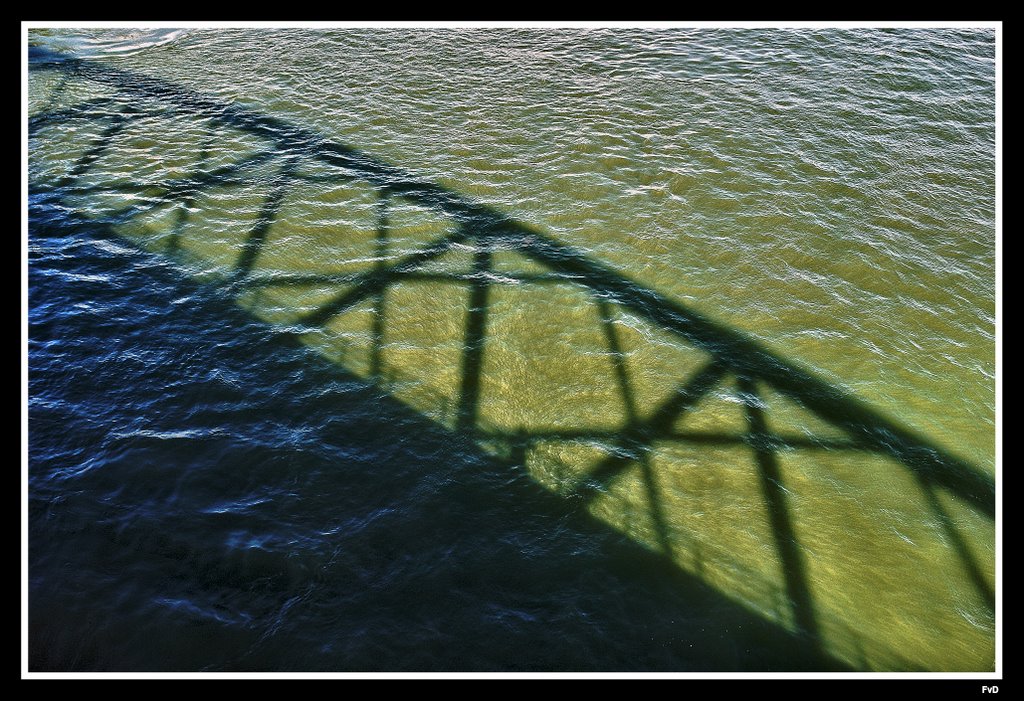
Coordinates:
<point>282,165</point>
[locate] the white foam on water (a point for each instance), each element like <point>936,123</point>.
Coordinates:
<point>97,42</point>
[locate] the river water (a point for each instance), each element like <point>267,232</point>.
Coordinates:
<point>486,465</point>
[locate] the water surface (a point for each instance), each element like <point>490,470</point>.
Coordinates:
<point>827,194</point>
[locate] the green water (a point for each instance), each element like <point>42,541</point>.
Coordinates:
<point>828,193</point>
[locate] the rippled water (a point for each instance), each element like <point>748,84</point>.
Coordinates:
<point>476,468</point>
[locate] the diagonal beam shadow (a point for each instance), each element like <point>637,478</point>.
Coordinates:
<point>84,110</point>
<point>794,569</point>
<point>258,236</point>
<point>632,417</point>
<point>187,186</point>
<point>189,201</point>
<point>370,283</point>
<point>102,144</point>
<point>744,355</point>
<point>186,189</point>
<point>970,563</point>
<point>638,437</point>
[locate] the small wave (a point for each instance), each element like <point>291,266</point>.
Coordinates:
<point>168,435</point>
<point>100,42</point>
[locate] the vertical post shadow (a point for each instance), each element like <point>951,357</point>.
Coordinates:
<point>794,570</point>
<point>473,345</point>
<point>380,254</point>
<point>657,509</point>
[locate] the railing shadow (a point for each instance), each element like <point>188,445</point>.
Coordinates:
<point>289,157</point>
<point>463,540</point>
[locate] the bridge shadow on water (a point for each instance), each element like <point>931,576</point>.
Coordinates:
<point>394,544</point>
<point>718,474</point>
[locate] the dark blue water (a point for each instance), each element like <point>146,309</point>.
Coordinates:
<point>207,494</point>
